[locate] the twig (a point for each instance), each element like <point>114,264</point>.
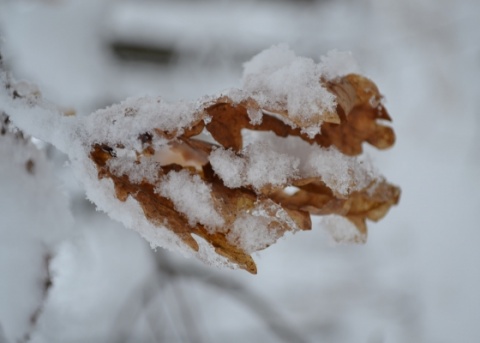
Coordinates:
<point>167,272</point>
<point>186,312</point>
<point>137,303</point>
<point>281,328</point>
<point>35,316</point>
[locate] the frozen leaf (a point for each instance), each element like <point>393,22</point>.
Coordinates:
<point>228,175</point>
<point>360,109</point>
<point>210,179</point>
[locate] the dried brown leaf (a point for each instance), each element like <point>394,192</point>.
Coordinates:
<point>359,110</point>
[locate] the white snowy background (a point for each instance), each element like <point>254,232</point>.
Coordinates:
<point>416,280</point>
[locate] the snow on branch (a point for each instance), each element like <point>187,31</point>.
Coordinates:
<point>227,175</point>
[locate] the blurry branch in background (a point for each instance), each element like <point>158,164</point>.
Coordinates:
<point>236,290</point>
<point>6,128</point>
<point>168,273</point>
<point>36,314</point>
<point>137,52</point>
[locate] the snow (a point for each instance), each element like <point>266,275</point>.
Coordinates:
<point>124,122</point>
<point>259,166</point>
<point>253,231</point>
<point>250,232</point>
<point>230,167</point>
<point>269,160</point>
<point>278,80</point>
<point>143,170</point>
<point>102,280</point>
<point>191,197</point>
<point>36,116</point>
<point>341,230</point>
<point>342,174</point>
<point>35,218</point>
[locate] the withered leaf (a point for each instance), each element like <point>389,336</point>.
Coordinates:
<point>357,120</point>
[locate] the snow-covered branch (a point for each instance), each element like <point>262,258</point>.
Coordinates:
<point>227,175</point>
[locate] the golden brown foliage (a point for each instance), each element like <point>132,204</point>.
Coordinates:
<point>356,120</point>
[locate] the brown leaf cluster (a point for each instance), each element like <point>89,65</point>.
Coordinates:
<point>358,119</point>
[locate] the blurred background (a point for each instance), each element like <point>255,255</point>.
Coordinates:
<point>417,279</point>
